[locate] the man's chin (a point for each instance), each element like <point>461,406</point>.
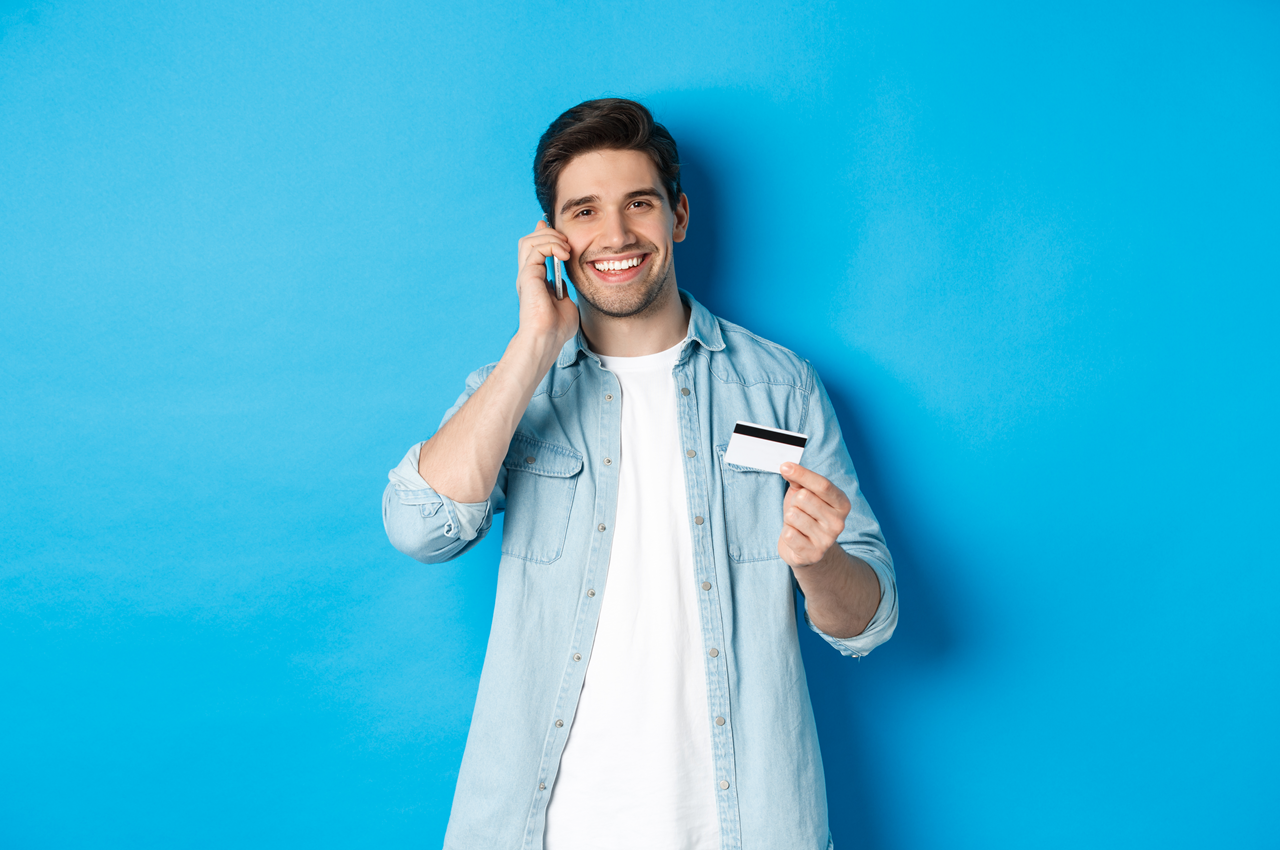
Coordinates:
<point>624,302</point>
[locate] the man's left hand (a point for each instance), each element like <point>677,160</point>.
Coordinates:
<point>813,515</point>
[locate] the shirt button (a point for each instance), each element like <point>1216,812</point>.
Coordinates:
<point>559,723</point>
<point>714,652</point>
<point>706,585</point>
<point>529,460</point>
<point>608,396</point>
<point>577,657</point>
<point>591,592</point>
<point>697,520</point>
<point>684,391</point>
<point>608,461</point>
<point>724,784</point>
<point>600,527</point>
<point>542,786</point>
<point>719,721</point>
<point>691,453</point>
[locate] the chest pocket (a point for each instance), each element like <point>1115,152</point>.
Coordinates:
<point>541,479</point>
<point>752,510</point>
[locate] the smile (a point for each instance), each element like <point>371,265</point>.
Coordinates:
<point>618,265</point>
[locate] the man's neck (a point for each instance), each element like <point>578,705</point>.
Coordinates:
<point>657,329</point>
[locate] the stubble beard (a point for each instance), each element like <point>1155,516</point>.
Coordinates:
<point>642,296</point>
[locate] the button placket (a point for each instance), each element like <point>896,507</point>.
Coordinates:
<point>710,603</point>
<point>596,572</point>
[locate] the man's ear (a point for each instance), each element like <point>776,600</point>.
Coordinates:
<point>682,219</point>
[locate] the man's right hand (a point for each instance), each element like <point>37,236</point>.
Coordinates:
<point>544,318</point>
<point>462,460</point>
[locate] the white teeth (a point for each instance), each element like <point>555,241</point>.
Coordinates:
<point>618,265</point>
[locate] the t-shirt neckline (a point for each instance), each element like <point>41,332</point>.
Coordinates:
<point>644,362</point>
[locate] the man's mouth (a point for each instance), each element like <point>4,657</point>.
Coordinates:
<point>618,269</point>
<point>617,265</point>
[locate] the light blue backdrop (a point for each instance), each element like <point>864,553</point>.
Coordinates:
<point>249,251</point>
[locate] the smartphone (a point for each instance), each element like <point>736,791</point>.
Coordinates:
<point>555,270</point>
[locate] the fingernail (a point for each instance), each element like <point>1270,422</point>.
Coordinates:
<point>787,467</point>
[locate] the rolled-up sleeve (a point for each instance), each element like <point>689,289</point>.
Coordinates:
<point>881,627</point>
<point>827,455</point>
<point>426,525</point>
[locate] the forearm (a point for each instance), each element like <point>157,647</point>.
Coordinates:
<point>462,460</point>
<point>841,593</point>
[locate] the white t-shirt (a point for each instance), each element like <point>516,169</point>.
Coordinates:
<point>637,770</point>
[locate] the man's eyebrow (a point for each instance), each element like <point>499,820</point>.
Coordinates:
<point>644,193</point>
<point>595,199</point>
<point>579,202</point>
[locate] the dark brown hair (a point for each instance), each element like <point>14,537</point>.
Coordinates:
<point>610,123</point>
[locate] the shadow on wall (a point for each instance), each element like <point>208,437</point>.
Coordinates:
<point>846,693</point>
<point>696,269</point>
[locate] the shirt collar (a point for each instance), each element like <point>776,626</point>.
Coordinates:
<point>703,328</point>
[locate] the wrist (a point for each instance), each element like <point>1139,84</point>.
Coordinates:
<point>536,350</point>
<point>833,560</point>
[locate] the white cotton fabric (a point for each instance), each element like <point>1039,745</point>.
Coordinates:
<point>637,768</point>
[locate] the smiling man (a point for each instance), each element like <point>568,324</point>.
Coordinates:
<point>643,686</point>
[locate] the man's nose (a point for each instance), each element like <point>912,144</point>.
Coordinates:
<point>617,232</point>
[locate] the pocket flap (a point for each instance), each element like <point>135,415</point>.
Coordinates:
<point>720,450</point>
<point>753,500</point>
<point>542,458</point>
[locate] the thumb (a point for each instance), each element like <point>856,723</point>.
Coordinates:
<point>541,224</point>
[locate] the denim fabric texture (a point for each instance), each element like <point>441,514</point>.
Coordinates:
<point>559,498</point>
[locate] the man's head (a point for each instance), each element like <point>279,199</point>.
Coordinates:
<point>610,123</point>
<point>608,178</point>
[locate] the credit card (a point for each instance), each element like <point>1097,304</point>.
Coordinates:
<point>764,448</point>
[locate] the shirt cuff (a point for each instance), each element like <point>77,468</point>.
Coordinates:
<point>463,520</point>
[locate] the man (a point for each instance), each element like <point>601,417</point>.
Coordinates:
<point>643,686</point>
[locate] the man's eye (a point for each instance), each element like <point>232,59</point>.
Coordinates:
<point>581,213</point>
<point>640,203</point>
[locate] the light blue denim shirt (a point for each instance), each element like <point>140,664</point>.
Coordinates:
<point>559,495</point>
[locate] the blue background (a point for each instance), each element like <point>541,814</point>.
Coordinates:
<point>248,253</point>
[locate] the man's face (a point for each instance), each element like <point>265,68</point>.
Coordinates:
<point>614,212</point>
